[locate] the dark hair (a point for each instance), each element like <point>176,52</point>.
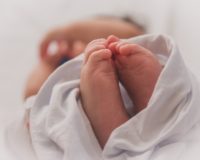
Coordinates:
<point>133,22</point>
<point>125,18</point>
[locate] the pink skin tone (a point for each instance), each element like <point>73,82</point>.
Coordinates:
<point>136,68</point>
<point>100,90</point>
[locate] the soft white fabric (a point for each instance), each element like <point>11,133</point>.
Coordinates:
<point>167,129</point>
<point>17,141</point>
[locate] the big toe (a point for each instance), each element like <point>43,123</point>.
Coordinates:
<point>100,55</point>
<point>112,39</point>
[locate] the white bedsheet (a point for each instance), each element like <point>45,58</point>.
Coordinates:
<point>168,128</point>
<point>24,22</point>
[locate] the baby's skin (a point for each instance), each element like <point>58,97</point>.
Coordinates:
<point>100,92</point>
<point>106,62</point>
<point>138,71</point>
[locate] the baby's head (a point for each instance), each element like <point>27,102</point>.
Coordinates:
<point>122,27</point>
<point>101,27</point>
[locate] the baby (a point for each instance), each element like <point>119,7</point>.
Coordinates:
<point>108,61</point>
<point>71,41</point>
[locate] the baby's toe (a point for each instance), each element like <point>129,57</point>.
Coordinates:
<point>112,39</point>
<point>93,46</point>
<point>131,49</point>
<point>91,49</point>
<point>100,55</point>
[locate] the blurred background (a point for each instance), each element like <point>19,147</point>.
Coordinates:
<point>23,23</point>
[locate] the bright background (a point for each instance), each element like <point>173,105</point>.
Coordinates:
<point>24,22</point>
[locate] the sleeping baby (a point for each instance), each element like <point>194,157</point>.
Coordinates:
<point>122,99</point>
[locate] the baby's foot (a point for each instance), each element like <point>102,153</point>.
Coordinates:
<point>138,70</point>
<point>100,93</point>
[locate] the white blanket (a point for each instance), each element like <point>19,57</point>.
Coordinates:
<point>167,129</point>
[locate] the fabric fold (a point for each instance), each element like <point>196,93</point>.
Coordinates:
<point>168,114</point>
<point>60,129</point>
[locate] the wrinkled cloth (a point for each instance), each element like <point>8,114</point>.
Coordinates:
<point>168,128</point>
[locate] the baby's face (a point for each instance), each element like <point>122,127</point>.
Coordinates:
<point>96,28</point>
<point>102,28</point>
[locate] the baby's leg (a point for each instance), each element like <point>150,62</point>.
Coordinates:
<point>100,93</point>
<point>138,71</point>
